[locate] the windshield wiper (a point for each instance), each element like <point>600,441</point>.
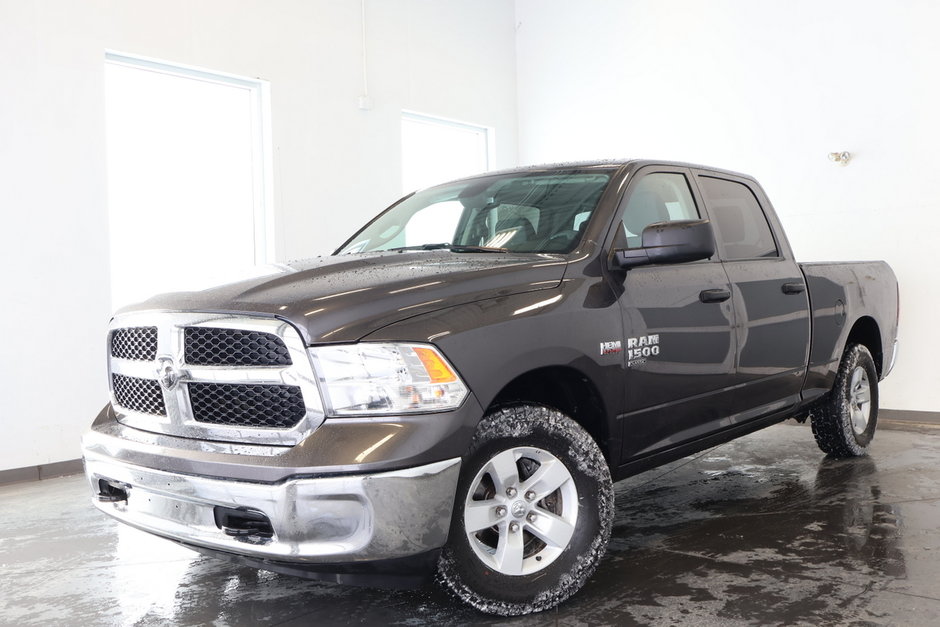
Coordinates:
<point>477,249</point>
<point>456,248</point>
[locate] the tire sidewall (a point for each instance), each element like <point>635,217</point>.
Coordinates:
<point>550,430</point>
<point>858,356</point>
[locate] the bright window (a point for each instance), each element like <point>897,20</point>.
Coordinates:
<point>188,177</point>
<point>435,150</point>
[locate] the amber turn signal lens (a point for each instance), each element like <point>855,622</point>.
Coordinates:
<point>437,369</point>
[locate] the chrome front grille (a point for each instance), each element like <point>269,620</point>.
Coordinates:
<point>209,346</point>
<point>272,406</point>
<point>138,343</point>
<point>213,376</point>
<point>140,395</point>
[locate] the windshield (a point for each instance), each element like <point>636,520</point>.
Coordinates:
<point>523,212</point>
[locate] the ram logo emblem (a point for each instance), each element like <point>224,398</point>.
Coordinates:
<point>167,373</point>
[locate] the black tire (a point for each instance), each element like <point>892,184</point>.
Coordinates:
<point>844,424</point>
<point>508,573</point>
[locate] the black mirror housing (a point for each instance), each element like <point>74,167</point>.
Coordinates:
<point>678,241</point>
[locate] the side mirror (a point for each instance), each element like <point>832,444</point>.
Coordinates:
<point>669,242</point>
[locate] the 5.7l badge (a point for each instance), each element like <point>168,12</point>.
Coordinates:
<point>609,348</point>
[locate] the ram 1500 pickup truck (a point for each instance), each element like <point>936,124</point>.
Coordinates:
<point>455,389</point>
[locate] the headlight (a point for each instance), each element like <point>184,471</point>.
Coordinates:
<point>378,379</point>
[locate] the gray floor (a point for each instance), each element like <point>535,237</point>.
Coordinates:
<point>760,531</point>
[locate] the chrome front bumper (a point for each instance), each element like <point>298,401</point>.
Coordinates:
<point>325,520</point>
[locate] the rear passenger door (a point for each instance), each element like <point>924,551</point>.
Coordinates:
<point>771,307</point>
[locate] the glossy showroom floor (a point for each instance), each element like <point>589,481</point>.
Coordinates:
<point>760,531</point>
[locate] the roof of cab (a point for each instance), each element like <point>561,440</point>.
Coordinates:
<point>608,164</point>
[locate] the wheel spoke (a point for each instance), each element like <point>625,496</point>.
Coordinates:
<point>862,392</point>
<point>503,470</point>
<point>551,529</point>
<point>550,476</point>
<point>509,552</point>
<point>479,515</point>
<point>859,399</point>
<point>856,377</point>
<point>858,420</point>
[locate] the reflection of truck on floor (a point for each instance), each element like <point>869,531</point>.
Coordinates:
<point>458,386</point>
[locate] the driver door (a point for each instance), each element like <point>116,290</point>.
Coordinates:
<point>678,320</point>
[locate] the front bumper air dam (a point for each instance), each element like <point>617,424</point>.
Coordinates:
<point>326,520</point>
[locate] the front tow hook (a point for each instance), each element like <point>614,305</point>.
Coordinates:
<point>244,524</point>
<point>111,491</point>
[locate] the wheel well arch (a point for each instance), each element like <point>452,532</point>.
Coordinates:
<point>566,389</point>
<point>865,331</point>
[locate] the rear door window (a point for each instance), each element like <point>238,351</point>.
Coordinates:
<point>741,227</point>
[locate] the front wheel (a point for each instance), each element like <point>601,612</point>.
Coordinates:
<point>533,513</point>
<point>844,424</point>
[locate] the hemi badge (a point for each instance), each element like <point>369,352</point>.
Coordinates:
<point>609,348</point>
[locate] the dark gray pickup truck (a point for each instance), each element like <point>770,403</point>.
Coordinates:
<point>457,387</point>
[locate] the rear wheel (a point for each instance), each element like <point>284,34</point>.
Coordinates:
<point>532,516</point>
<point>844,424</point>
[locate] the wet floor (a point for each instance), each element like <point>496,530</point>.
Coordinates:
<point>761,531</point>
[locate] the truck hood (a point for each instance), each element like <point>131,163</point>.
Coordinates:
<point>344,298</point>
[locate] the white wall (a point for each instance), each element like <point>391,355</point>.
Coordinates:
<point>335,165</point>
<point>767,88</point>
